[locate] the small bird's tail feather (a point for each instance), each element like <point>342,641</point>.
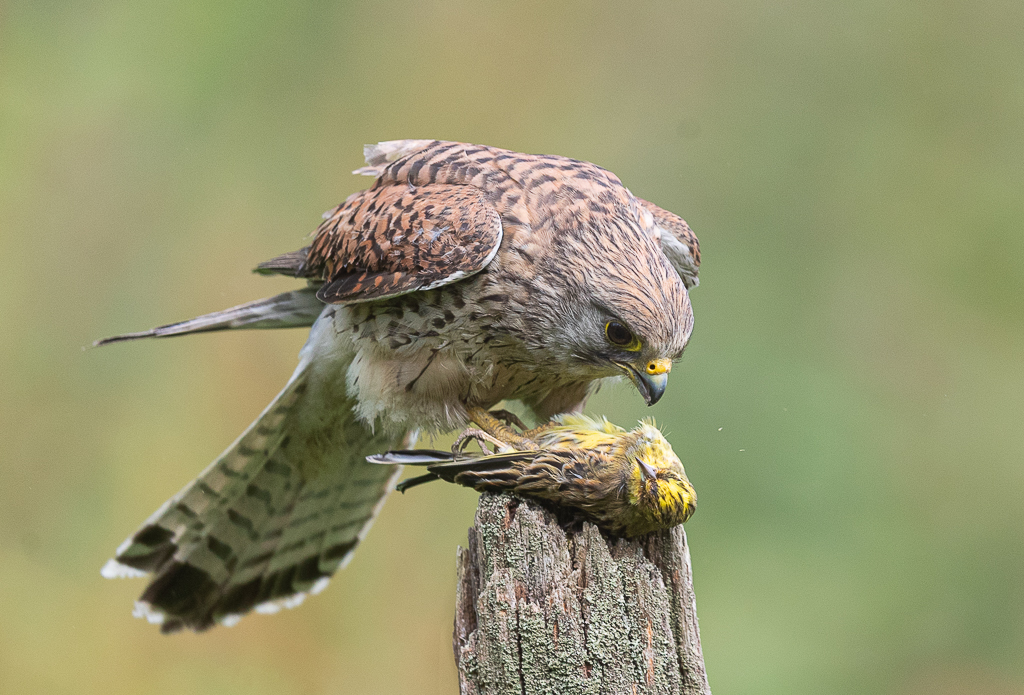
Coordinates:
<point>444,464</point>
<point>491,462</point>
<point>411,457</point>
<point>418,480</point>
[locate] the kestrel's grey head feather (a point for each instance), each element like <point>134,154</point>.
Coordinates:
<point>608,270</point>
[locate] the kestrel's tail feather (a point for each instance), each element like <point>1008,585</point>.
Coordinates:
<point>270,520</point>
<point>296,309</point>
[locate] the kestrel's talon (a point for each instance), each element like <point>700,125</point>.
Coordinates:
<point>497,429</point>
<point>510,419</point>
<point>479,436</point>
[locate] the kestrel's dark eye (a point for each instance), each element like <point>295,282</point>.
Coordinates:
<point>618,334</point>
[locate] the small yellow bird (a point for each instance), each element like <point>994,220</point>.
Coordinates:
<point>628,483</point>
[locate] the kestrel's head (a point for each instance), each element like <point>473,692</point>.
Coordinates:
<point>630,313</point>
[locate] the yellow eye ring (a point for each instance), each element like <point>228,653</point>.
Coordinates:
<point>620,336</point>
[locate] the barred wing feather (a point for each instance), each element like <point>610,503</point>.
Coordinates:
<point>267,522</point>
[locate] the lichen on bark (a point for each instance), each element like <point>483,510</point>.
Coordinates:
<point>545,609</point>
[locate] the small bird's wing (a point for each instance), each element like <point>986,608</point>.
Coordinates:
<point>394,239</point>
<point>491,462</point>
<point>539,473</point>
<point>269,521</point>
<point>299,308</point>
<point>678,243</point>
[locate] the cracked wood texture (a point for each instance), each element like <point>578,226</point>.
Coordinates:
<point>540,609</point>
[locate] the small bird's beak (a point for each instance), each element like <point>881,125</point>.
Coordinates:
<point>650,382</point>
<point>647,471</point>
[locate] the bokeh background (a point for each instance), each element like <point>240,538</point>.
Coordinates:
<point>850,407</point>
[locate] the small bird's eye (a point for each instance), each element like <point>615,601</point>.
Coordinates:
<point>619,335</point>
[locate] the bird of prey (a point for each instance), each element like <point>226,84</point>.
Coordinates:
<point>464,276</point>
<point>628,483</point>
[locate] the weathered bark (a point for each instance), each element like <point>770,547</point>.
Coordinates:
<point>543,610</point>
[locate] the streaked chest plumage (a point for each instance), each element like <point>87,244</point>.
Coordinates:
<point>421,358</point>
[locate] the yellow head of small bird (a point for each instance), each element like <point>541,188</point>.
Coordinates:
<point>656,490</point>
<point>641,484</point>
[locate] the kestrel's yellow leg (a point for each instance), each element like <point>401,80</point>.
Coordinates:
<point>499,430</point>
<point>511,419</point>
<point>505,421</point>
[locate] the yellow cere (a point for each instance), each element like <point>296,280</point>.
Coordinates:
<point>662,366</point>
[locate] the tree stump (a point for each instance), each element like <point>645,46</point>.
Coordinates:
<point>542,609</point>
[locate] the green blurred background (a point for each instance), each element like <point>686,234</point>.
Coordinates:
<point>850,407</point>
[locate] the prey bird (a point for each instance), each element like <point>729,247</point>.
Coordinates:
<point>627,483</point>
<point>464,276</point>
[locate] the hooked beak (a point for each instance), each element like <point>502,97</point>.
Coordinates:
<point>652,381</point>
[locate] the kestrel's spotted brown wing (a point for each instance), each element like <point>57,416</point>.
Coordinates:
<point>372,247</point>
<point>678,243</point>
<point>554,196</point>
<point>395,239</point>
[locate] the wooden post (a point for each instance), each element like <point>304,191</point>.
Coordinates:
<point>543,610</point>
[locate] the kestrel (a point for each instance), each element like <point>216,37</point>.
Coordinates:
<point>464,276</point>
<point>628,483</point>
